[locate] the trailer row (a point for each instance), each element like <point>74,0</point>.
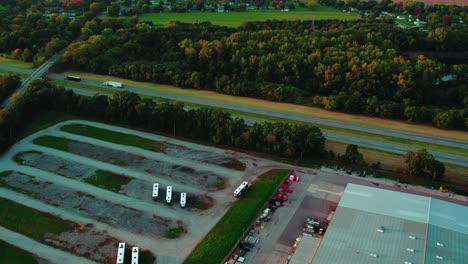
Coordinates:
<point>121,254</point>
<point>155,195</point>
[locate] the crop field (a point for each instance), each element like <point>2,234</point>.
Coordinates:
<point>235,19</point>
<point>87,193</point>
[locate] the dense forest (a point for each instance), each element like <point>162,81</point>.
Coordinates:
<point>127,108</point>
<point>8,84</point>
<point>356,66</point>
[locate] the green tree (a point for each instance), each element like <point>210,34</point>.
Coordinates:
<point>352,155</point>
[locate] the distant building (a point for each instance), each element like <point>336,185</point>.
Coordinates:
<point>374,225</point>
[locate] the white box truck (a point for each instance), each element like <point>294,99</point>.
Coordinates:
<point>183,199</point>
<point>168,194</point>
<point>113,84</point>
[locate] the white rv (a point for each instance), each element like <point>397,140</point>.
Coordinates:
<point>113,84</point>
<point>183,199</point>
<point>120,253</point>
<point>134,255</point>
<point>168,194</point>
<point>155,191</point>
<point>241,189</point>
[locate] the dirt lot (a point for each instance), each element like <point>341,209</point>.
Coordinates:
<point>53,181</point>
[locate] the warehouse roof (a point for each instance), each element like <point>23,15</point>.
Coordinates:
<point>373,225</point>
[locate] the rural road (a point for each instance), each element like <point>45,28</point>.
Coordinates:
<point>371,144</point>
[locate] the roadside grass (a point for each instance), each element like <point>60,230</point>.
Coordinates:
<point>30,222</point>
<point>59,143</point>
<point>15,63</point>
<point>226,233</point>
<point>235,19</point>
<point>101,90</point>
<point>454,175</point>
<point>108,180</point>
<point>113,137</point>
<point>341,131</point>
<point>283,107</point>
<point>12,254</point>
<point>5,72</point>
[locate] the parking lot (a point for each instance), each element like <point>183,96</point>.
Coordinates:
<point>56,182</point>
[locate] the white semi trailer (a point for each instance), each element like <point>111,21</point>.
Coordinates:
<point>155,191</point>
<point>135,255</point>
<point>120,253</point>
<point>168,194</point>
<point>113,84</point>
<point>183,199</point>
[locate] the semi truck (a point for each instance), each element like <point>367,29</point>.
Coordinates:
<point>113,84</point>
<point>168,194</point>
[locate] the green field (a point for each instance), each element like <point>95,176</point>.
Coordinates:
<point>15,63</point>
<point>53,142</point>
<point>108,180</point>
<point>11,254</point>
<point>223,237</point>
<point>235,19</point>
<point>28,221</point>
<point>113,137</point>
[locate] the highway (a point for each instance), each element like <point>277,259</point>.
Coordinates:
<point>290,116</point>
<point>366,143</point>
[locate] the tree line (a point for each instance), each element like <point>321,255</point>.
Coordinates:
<point>355,66</point>
<point>127,108</point>
<point>8,84</point>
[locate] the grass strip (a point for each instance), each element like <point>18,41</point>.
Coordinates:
<point>223,237</point>
<point>108,180</point>
<point>113,137</point>
<point>12,254</point>
<point>15,63</point>
<point>59,143</point>
<point>30,222</point>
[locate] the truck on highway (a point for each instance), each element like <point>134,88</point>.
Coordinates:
<point>113,84</point>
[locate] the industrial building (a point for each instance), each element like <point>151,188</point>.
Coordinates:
<point>373,225</point>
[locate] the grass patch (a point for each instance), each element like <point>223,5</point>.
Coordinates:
<point>59,143</point>
<point>234,164</point>
<point>4,174</point>
<point>224,236</point>
<point>108,180</point>
<point>30,222</point>
<point>174,232</point>
<point>12,254</point>
<point>15,63</point>
<point>235,19</point>
<point>201,205</point>
<point>113,137</point>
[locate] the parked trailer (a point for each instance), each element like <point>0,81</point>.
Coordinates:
<point>73,78</point>
<point>113,84</point>
<point>183,199</point>
<point>134,255</point>
<point>169,194</point>
<point>241,189</point>
<point>120,253</point>
<point>155,191</point>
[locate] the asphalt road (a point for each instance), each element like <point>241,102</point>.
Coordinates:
<point>297,117</point>
<point>371,144</point>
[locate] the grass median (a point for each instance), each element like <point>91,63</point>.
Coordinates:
<point>113,137</point>
<point>59,143</point>
<point>12,254</point>
<point>108,180</point>
<point>223,237</point>
<point>30,222</point>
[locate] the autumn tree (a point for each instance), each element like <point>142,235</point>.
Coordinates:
<point>422,164</point>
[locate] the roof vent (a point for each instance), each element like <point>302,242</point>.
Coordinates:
<point>440,244</point>
<point>412,237</point>
<point>373,255</point>
<point>439,257</point>
<point>410,249</point>
<point>380,230</point>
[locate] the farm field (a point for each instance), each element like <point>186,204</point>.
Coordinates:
<point>103,190</point>
<point>235,19</point>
